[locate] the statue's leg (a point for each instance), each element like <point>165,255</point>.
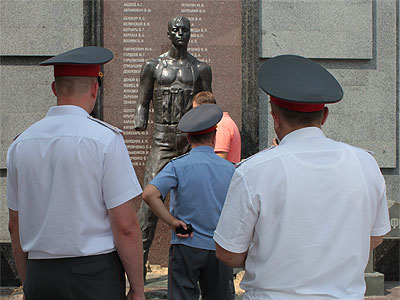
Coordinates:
<point>159,156</point>
<point>148,224</point>
<point>182,145</point>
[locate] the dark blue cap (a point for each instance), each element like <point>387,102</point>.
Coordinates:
<point>90,55</point>
<point>201,120</point>
<point>83,61</point>
<point>298,82</point>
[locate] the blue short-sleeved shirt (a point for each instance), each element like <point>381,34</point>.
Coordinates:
<point>198,182</point>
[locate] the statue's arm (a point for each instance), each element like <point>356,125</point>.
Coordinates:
<point>146,87</point>
<point>205,77</point>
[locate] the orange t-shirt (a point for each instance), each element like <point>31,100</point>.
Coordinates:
<point>228,138</point>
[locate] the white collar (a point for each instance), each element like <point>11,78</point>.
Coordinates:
<point>63,110</point>
<point>301,134</point>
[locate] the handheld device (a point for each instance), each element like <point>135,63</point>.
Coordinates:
<point>181,230</point>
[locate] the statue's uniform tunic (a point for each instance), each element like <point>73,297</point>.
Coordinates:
<point>174,88</point>
<point>74,169</point>
<point>198,183</point>
<point>172,98</point>
<point>313,204</point>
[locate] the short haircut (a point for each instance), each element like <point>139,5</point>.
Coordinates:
<point>73,85</point>
<point>204,98</point>
<point>298,118</point>
<point>176,20</point>
<point>202,138</point>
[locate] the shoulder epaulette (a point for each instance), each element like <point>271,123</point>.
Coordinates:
<point>250,157</point>
<point>180,156</point>
<point>17,136</point>
<point>368,151</point>
<point>113,128</point>
<point>362,149</point>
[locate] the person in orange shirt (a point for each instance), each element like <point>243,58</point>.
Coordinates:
<point>228,141</point>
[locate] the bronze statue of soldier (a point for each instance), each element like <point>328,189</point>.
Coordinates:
<point>170,81</point>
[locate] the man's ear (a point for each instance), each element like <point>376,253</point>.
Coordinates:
<point>325,116</point>
<point>94,88</point>
<point>53,88</point>
<point>168,35</point>
<point>277,120</point>
<point>214,139</point>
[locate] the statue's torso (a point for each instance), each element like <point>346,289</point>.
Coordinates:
<point>176,82</point>
<point>169,72</point>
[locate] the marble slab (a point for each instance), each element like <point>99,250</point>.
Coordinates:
<point>24,103</point>
<point>4,235</point>
<point>137,31</point>
<point>40,27</point>
<point>317,28</point>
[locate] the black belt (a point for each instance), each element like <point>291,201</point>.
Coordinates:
<point>167,128</point>
<point>79,259</point>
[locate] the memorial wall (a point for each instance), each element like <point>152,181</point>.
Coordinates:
<point>358,41</point>
<point>136,31</point>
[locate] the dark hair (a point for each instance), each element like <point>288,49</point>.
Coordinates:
<point>298,118</point>
<point>202,138</point>
<point>204,98</point>
<point>176,20</point>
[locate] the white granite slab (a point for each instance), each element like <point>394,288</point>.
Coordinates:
<point>24,99</point>
<point>40,27</point>
<point>317,28</point>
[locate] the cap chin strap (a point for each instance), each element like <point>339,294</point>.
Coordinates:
<point>297,106</point>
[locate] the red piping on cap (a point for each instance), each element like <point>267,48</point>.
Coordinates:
<point>203,131</point>
<point>77,70</point>
<point>297,106</point>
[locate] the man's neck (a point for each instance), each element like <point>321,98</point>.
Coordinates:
<point>205,144</point>
<point>178,53</point>
<point>288,130</point>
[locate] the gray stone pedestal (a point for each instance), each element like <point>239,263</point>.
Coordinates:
<point>375,284</point>
<point>373,280</point>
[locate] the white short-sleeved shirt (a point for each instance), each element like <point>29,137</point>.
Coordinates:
<point>63,174</point>
<point>305,211</point>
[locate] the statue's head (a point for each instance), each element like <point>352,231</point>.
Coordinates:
<point>179,31</point>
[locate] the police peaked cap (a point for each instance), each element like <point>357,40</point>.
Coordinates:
<point>298,83</point>
<point>83,61</point>
<point>201,120</point>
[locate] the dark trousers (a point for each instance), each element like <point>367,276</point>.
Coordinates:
<point>190,268</point>
<point>89,277</point>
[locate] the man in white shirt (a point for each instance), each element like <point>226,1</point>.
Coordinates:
<point>302,217</point>
<point>70,185</point>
